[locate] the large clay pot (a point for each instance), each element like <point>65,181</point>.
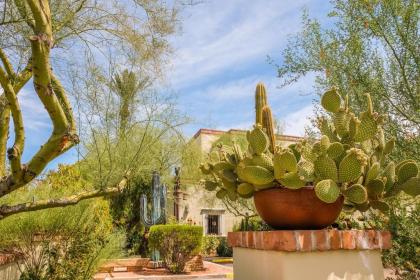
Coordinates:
<point>282,208</point>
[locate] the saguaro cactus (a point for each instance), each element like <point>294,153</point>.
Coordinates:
<point>157,214</point>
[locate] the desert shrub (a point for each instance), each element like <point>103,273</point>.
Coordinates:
<point>223,249</point>
<point>210,244</point>
<point>404,224</point>
<point>176,244</point>
<point>60,243</point>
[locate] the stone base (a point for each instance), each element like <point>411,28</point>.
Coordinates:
<point>251,264</point>
<point>155,264</point>
<point>309,254</point>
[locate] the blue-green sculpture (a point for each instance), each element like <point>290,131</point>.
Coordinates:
<point>156,214</point>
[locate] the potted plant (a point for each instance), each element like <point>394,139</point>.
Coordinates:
<point>306,185</point>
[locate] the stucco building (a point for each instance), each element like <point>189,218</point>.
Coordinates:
<point>203,208</point>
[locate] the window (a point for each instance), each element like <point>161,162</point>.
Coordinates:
<point>213,224</point>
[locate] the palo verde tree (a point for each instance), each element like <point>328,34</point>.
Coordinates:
<point>38,37</point>
<point>370,46</point>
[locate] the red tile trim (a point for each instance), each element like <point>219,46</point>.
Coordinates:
<point>311,240</point>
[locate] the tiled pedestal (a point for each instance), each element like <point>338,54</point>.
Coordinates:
<point>309,254</point>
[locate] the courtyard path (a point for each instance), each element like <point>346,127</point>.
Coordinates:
<point>212,271</point>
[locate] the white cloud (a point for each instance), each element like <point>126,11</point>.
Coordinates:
<point>296,122</point>
<point>35,117</point>
<point>225,37</point>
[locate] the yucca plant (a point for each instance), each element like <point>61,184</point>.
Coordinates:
<point>350,159</point>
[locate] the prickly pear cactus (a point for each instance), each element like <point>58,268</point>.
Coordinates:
<point>350,159</point>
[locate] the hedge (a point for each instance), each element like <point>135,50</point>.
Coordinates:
<point>176,244</point>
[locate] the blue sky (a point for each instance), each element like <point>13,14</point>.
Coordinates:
<point>218,59</point>
<point>222,54</point>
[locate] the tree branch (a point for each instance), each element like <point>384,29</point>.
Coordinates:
<point>19,81</point>
<point>6,210</point>
<point>62,138</point>
<point>6,63</point>
<point>14,153</point>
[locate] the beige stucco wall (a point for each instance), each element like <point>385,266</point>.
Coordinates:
<point>251,264</point>
<point>201,202</point>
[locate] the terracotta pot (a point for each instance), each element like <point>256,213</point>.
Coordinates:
<point>283,208</point>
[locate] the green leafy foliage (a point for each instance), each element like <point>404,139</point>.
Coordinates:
<point>60,243</point>
<point>223,249</point>
<point>216,245</point>
<point>371,46</point>
<point>176,244</point>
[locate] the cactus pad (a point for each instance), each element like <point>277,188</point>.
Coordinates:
<point>341,122</point>
<point>284,161</point>
<point>373,172</point>
<point>228,185</point>
<point>245,189</point>
<point>205,168</point>
<point>327,191</point>
<point>229,175</point>
<point>306,170</point>
<point>210,185</point>
<point>325,168</point>
<point>367,128</point>
<point>331,100</point>
<point>335,150</point>
<point>375,187</point>
<point>406,171</point>
<point>362,207</point>
<point>380,205</point>
<point>265,186</point>
<point>389,146</point>
<point>389,174</point>
<point>411,186</point>
<point>257,175</point>
<point>258,140</point>
<point>263,160</point>
<point>222,165</point>
<point>292,180</point>
<point>356,194</point>
<point>350,167</point>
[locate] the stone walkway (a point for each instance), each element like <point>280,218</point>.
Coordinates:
<point>212,271</point>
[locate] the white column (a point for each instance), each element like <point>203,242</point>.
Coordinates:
<point>204,216</point>
<point>221,225</point>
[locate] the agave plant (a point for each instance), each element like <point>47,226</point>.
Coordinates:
<point>350,159</point>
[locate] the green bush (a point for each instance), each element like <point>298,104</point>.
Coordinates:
<point>223,249</point>
<point>176,244</point>
<point>216,245</point>
<point>210,244</point>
